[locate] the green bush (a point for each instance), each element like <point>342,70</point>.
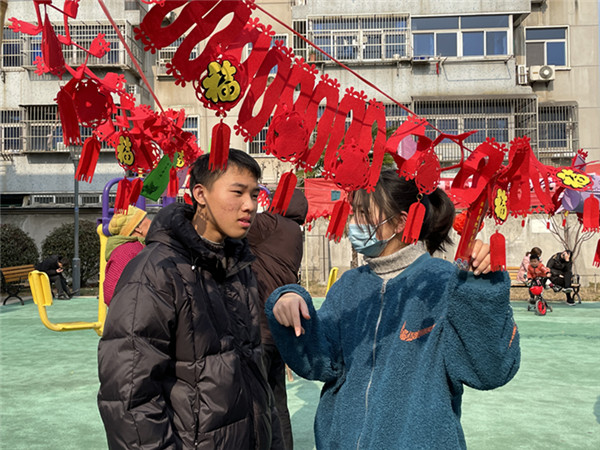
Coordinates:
<point>61,242</point>
<point>17,248</point>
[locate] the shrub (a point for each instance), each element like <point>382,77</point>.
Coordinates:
<point>60,242</point>
<point>17,248</point>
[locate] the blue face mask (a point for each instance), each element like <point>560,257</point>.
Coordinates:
<point>364,239</point>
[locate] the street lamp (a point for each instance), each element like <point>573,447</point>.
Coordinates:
<point>75,152</point>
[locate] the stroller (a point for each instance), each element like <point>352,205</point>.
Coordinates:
<point>537,301</point>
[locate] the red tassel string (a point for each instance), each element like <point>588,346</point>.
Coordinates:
<point>523,223</point>
<point>88,160</point>
<point>591,214</point>
<point>414,223</point>
<point>497,252</point>
<point>173,186</point>
<point>188,199</point>
<point>136,189</point>
<point>283,193</point>
<point>564,221</point>
<point>337,223</point>
<point>123,191</point>
<point>548,224</point>
<point>596,262</point>
<point>219,147</point>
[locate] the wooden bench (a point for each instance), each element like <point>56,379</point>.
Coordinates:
<point>14,279</point>
<point>514,283</point>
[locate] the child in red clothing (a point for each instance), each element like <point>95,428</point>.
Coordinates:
<point>537,273</point>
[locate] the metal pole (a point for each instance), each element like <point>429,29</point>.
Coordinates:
<point>76,260</point>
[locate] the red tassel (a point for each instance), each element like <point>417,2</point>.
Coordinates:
<point>88,160</point>
<point>283,193</point>
<point>122,200</point>
<point>414,223</point>
<point>263,199</point>
<point>173,186</point>
<point>548,225</point>
<point>564,222</point>
<point>219,147</point>
<point>136,189</point>
<point>497,252</point>
<point>337,223</point>
<point>596,262</point>
<point>523,223</point>
<point>187,199</point>
<point>68,118</point>
<point>591,214</point>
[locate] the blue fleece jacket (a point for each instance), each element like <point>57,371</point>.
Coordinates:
<point>394,355</point>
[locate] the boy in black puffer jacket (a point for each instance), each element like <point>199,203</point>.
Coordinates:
<point>180,361</point>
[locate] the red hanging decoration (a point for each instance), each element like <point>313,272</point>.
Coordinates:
<point>596,262</point>
<point>88,160</point>
<point>523,223</point>
<point>122,200</point>
<point>283,193</point>
<point>414,223</point>
<point>136,189</point>
<point>497,252</point>
<point>263,199</point>
<point>591,214</point>
<point>173,186</point>
<point>68,118</point>
<point>337,223</point>
<point>187,199</point>
<point>219,147</point>
<point>51,50</point>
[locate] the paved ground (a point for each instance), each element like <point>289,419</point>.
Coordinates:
<point>48,385</point>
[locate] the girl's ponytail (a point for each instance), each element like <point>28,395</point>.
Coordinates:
<point>438,221</point>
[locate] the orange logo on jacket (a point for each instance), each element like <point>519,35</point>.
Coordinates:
<point>409,336</point>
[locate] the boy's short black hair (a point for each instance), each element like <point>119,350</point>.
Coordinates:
<point>534,256</point>
<point>201,174</point>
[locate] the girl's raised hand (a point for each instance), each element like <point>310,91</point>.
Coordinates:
<point>480,258</point>
<point>287,311</point>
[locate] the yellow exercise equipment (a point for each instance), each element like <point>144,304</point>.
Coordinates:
<point>42,297</point>
<point>332,278</point>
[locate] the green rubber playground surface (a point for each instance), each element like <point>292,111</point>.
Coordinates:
<point>48,385</point>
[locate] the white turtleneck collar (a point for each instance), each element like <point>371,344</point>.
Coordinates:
<point>388,267</point>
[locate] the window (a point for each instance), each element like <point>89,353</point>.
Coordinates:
<point>557,130</point>
<point>256,146</point>
<point>191,126</point>
<point>546,46</point>
<point>373,37</point>
<point>394,116</point>
<point>12,48</point>
<point>460,36</point>
<point>44,131</point>
<point>165,55</point>
<point>11,130</point>
<point>501,119</point>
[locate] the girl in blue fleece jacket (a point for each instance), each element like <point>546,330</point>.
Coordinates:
<point>396,339</point>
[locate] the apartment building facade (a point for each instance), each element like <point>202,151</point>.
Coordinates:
<point>507,68</point>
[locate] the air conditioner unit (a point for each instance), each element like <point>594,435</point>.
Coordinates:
<point>521,74</point>
<point>541,73</point>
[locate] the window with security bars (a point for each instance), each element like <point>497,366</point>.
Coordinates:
<point>43,131</point>
<point>557,132</point>
<point>191,125</point>
<point>165,54</point>
<point>256,146</point>
<point>373,37</point>
<point>11,131</point>
<point>22,50</point>
<point>500,118</point>
<point>12,49</point>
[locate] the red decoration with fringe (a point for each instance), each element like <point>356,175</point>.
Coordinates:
<point>122,200</point>
<point>173,186</point>
<point>337,223</point>
<point>263,199</point>
<point>68,118</point>
<point>414,223</point>
<point>596,262</point>
<point>52,50</point>
<point>188,199</point>
<point>136,189</point>
<point>283,193</point>
<point>497,252</point>
<point>88,160</point>
<point>591,214</point>
<point>219,147</point>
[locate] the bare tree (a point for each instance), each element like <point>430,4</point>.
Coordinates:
<point>568,230</point>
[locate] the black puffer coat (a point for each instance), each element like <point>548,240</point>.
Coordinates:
<point>180,360</point>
